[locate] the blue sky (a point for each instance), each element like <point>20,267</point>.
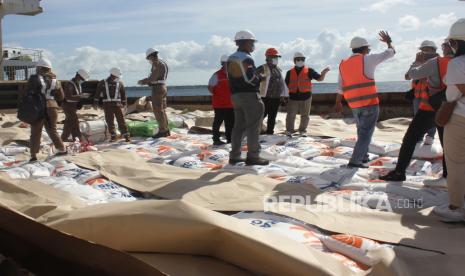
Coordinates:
<point>191,35</point>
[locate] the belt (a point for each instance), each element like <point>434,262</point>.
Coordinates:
<point>158,82</point>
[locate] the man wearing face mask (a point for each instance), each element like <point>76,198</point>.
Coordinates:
<point>434,70</point>
<point>244,82</point>
<point>157,80</point>
<point>113,93</point>
<point>299,82</point>
<point>420,86</point>
<point>273,89</point>
<point>73,96</point>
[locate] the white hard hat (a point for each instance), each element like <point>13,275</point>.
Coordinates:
<point>244,35</point>
<point>150,51</point>
<point>116,72</point>
<point>43,62</point>
<point>83,73</point>
<point>299,55</point>
<point>457,30</point>
<point>224,58</point>
<point>358,42</point>
<point>428,43</point>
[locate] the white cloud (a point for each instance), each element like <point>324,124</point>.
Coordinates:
<point>191,62</point>
<point>385,5</point>
<point>443,20</point>
<point>409,22</point>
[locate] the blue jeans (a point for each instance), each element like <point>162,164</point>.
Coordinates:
<point>366,118</point>
<point>416,106</point>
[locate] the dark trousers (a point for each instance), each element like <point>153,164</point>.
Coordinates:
<point>225,115</point>
<point>421,123</point>
<point>271,111</point>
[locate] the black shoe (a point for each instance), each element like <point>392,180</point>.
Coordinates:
<point>256,161</point>
<point>218,143</point>
<point>360,166</point>
<point>33,159</point>
<point>235,161</point>
<point>161,135</point>
<point>127,138</point>
<point>393,176</point>
<point>113,138</point>
<point>61,153</point>
<point>364,161</point>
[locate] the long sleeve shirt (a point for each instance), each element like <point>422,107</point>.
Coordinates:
<point>72,91</point>
<point>275,87</point>
<point>370,62</point>
<point>102,93</point>
<point>428,70</point>
<point>242,73</point>
<point>158,73</point>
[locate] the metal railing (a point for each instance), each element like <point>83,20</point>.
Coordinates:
<point>19,63</point>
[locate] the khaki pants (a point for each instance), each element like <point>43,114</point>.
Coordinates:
<point>454,151</point>
<point>50,124</point>
<point>301,107</point>
<point>159,105</point>
<point>111,111</point>
<point>71,125</point>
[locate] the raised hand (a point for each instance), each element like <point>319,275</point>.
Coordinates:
<point>385,37</point>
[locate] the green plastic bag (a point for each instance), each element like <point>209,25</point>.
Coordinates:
<point>142,129</point>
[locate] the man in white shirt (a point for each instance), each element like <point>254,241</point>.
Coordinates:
<point>357,85</point>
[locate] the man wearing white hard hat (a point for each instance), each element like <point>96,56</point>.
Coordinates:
<point>454,129</point>
<point>157,80</point>
<point>299,82</point>
<point>72,103</point>
<point>44,82</point>
<point>218,85</point>
<point>113,95</point>
<point>420,86</point>
<point>434,71</point>
<point>244,82</point>
<point>357,86</point>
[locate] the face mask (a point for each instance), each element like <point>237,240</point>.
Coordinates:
<point>300,63</point>
<point>274,61</point>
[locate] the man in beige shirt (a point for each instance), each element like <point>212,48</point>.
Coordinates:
<point>73,96</point>
<point>157,80</point>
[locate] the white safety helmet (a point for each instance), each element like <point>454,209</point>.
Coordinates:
<point>43,62</point>
<point>244,35</point>
<point>83,73</point>
<point>358,42</point>
<point>428,43</point>
<point>224,58</point>
<point>299,55</point>
<point>116,72</point>
<point>457,30</point>
<point>150,51</point>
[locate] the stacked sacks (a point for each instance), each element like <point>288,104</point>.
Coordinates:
<point>112,191</point>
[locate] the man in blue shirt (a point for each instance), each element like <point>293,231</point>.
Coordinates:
<point>244,82</point>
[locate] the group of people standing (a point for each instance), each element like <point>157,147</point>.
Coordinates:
<point>255,93</point>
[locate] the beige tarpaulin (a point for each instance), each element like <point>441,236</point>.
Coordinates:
<point>180,227</point>
<point>221,191</point>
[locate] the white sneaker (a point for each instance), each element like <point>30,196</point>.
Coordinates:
<point>436,183</point>
<point>448,215</point>
<point>429,140</point>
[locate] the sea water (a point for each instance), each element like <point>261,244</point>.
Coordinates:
<point>318,88</point>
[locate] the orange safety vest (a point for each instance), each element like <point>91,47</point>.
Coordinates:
<point>442,69</point>
<point>419,86</point>
<point>358,89</point>
<point>300,83</point>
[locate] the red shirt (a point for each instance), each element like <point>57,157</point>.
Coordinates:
<point>221,97</point>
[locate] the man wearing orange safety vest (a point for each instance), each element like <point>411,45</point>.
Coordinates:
<point>420,86</point>
<point>357,86</point>
<point>434,70</point>
<point>299,83</point>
